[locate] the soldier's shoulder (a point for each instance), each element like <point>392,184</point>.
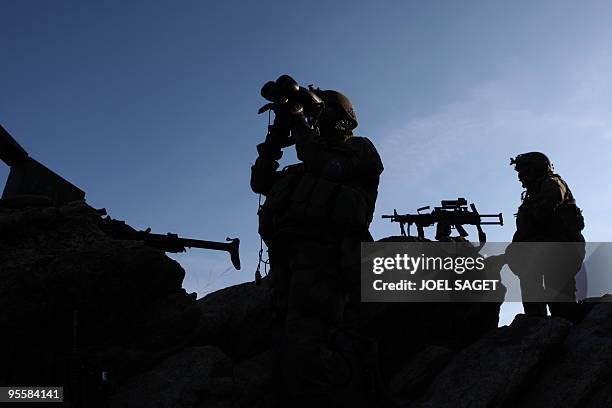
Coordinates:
<point>554,179</point>
<point>367,151</point>
<point>557,177</point>
<point>553,184</point>
<point>360,140</point>
<point>361,143</point>
<point>546,181</point>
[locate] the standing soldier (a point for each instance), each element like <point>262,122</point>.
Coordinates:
<point>315,215</point>
<point>548,213</point>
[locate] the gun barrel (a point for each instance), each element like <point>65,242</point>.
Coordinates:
<point>500,219</point>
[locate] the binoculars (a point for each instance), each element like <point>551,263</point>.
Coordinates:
<point>286,95</point>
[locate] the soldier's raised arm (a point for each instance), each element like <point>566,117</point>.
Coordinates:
<point>264,173</point>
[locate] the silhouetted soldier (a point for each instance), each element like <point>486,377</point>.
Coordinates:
<point>548,213</point>
<point>315,215</point>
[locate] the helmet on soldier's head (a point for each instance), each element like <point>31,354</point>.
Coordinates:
<point>536,161</point>
<point>335,98</point>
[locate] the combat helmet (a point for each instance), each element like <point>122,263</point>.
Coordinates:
<point>537,161</point>
<point>337,99</point>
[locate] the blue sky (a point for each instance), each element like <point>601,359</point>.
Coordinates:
<point>150,107</point>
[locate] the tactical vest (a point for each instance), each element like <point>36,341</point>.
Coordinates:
<point>566,221</point>
<point>300,199</point>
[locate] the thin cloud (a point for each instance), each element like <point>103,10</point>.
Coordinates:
<point>467,141</point>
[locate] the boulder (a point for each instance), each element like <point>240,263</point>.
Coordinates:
<point>238,319</point>
<point>581,374</point>
<point>490,372</point>
<point>69,291</point>
<point>193,377</point>
<point>419,372</point>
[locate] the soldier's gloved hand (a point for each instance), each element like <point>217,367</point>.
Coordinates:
<point>282,119</point>
<point>269,151</point>
<point>290,116</point>
<point>277,137</point>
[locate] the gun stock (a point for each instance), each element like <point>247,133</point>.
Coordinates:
<point>117,229</point>
<point>173,243</point>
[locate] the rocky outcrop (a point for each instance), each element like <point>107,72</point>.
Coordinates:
<point>580,374</point>
<point>495,369</point>
<point>70,295</point>
<point>419,372</point>
<point>109,320</point>
<point>195,376</point>
<point>238,319</point>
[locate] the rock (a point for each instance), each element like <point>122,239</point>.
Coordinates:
<point>254,380</point>
<point>196,376</point>
<point>585,366</point>
<point>420,371</point>
<point>602,398</point>
<point>68,289</point>
<point>406,329</point>
<point>75,303</point>
<point>238,319</point>
<point>489,372</point>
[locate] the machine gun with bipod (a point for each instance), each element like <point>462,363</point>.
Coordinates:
<point>452,214</point>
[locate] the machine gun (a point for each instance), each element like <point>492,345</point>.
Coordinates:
<point>31,182</point>
<point>170,242</point>
<point>451,214</point>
